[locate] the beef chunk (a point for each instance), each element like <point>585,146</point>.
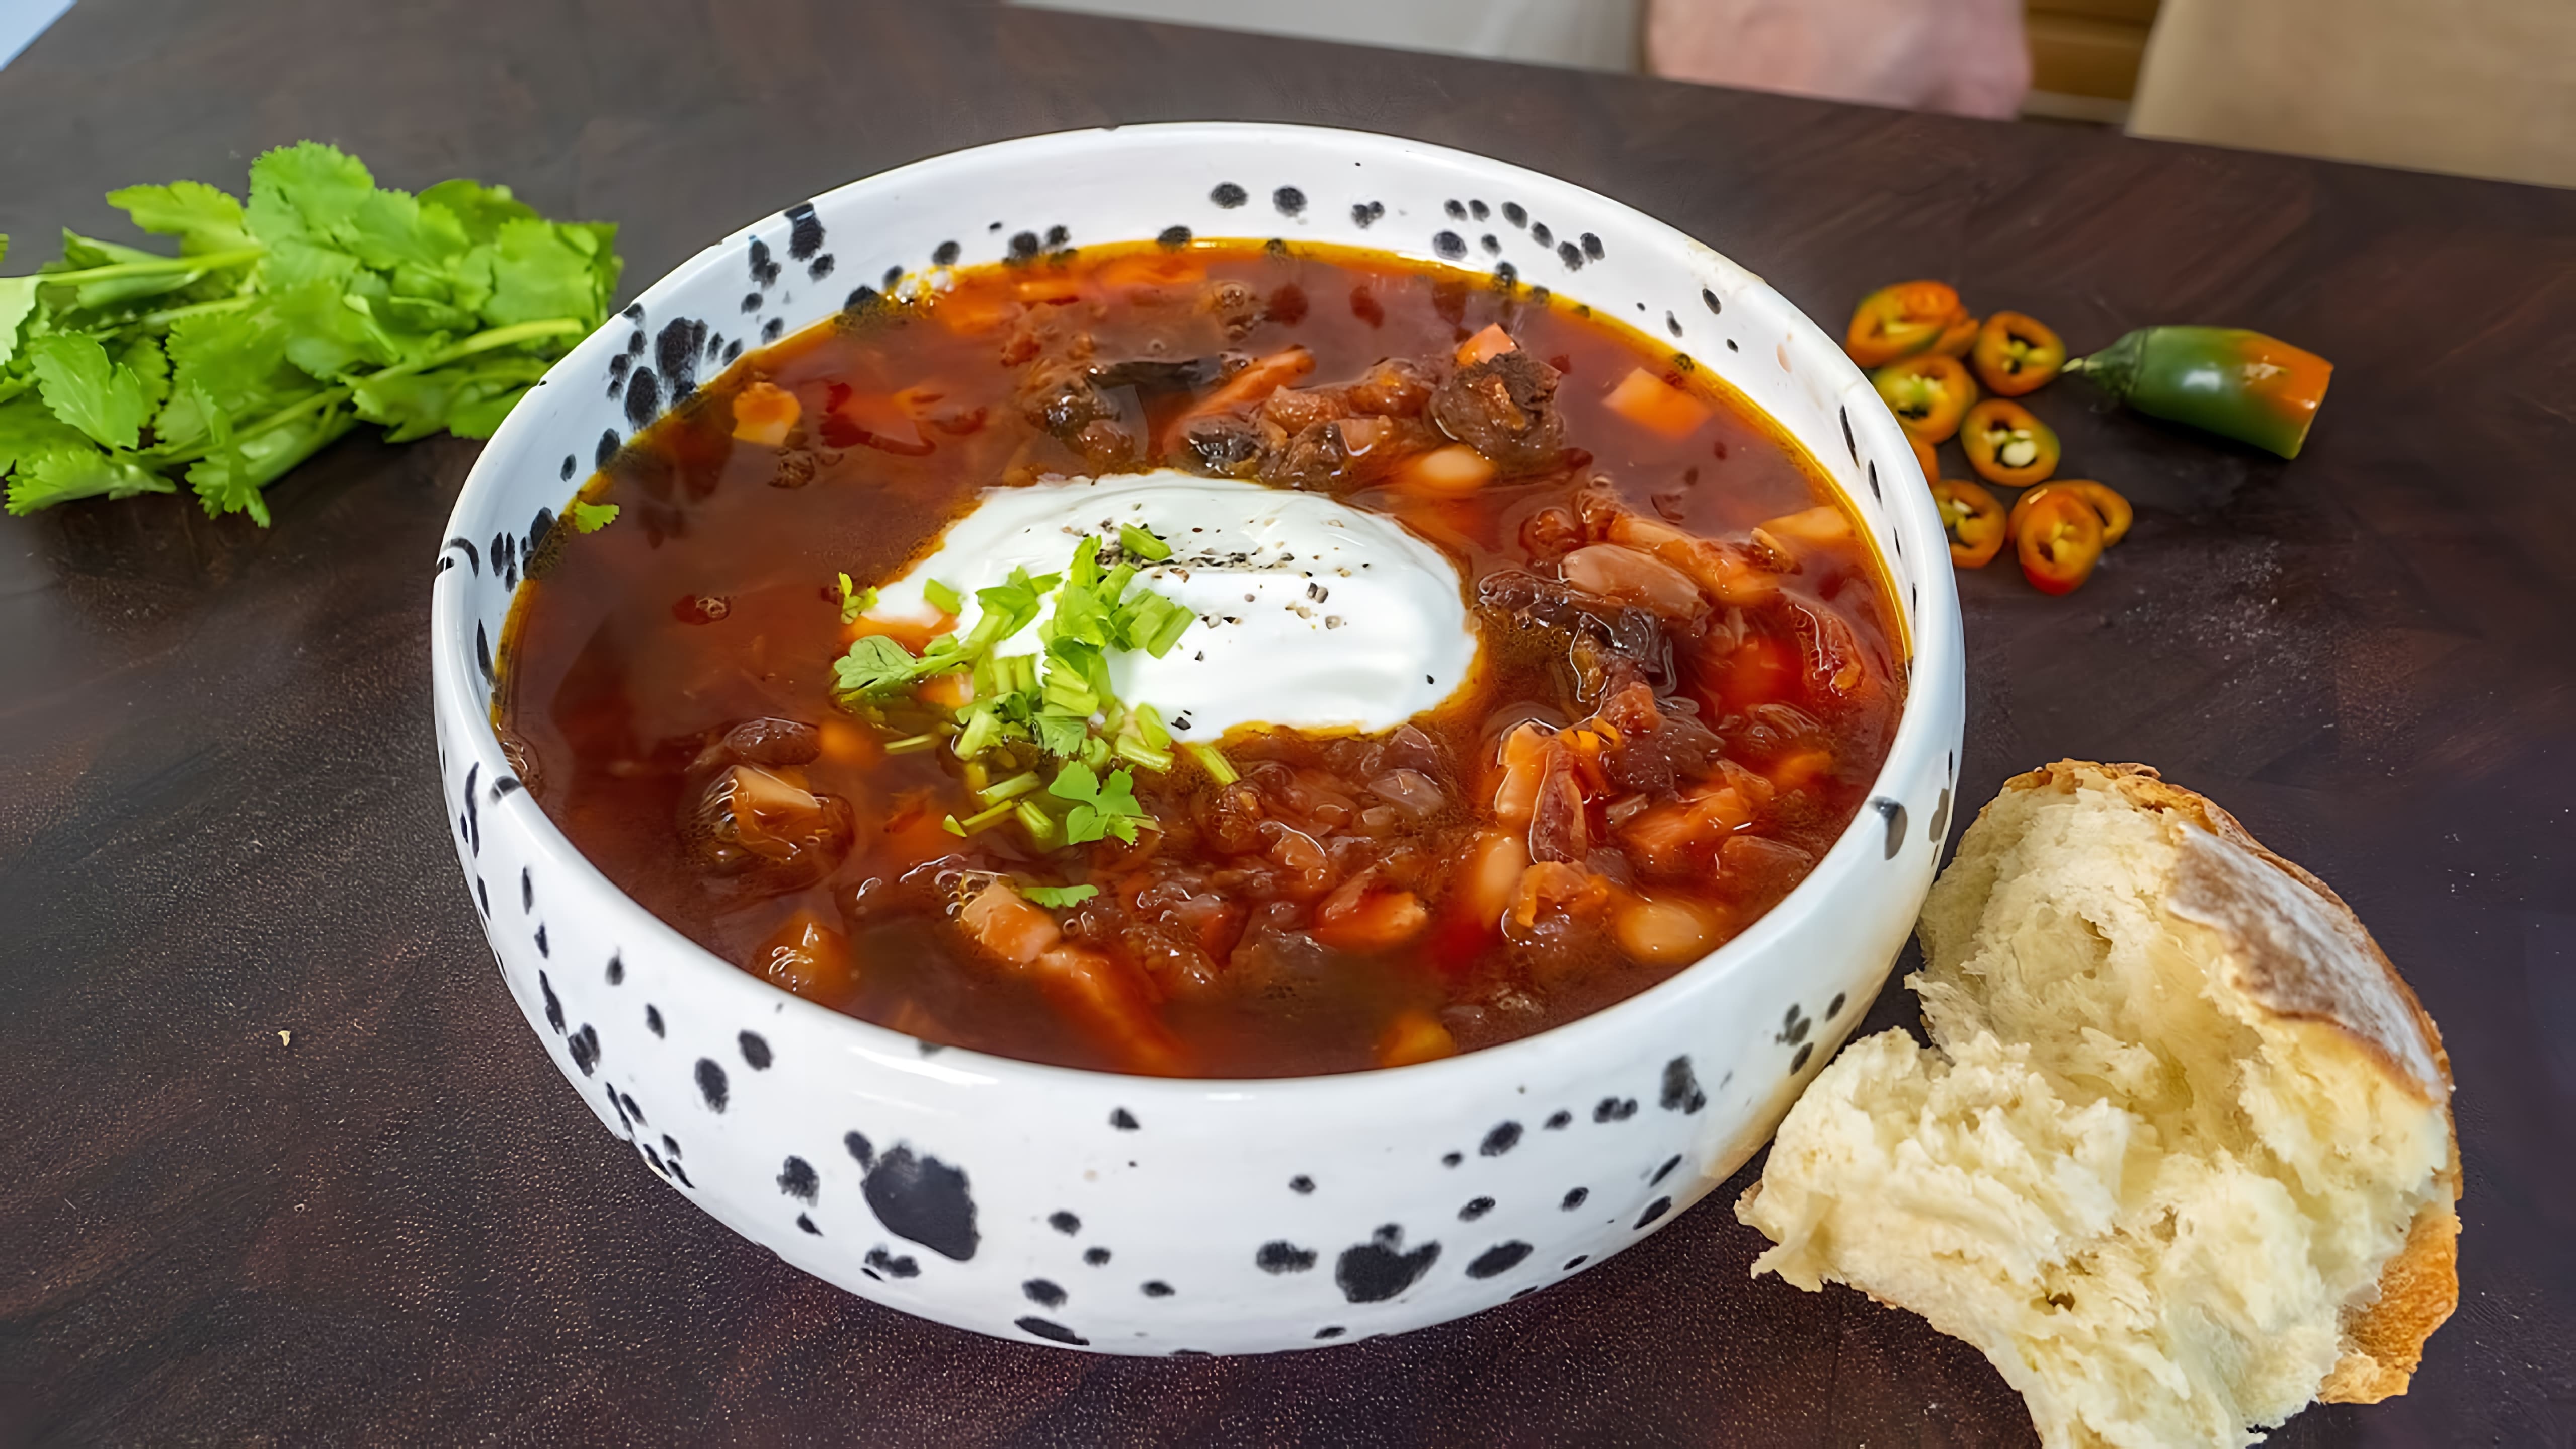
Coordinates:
<point>1314,459</point>
<point>1594,628</point>
<point>1346,453</point>
<point>1236,307</point>
<point>1064,397</point>
<point>747,818</point>
<point>1154,377</point>
<point>1295,409</point>
<point>1505,408</point>
<point>1222,444</point>
<point>1394,388</point>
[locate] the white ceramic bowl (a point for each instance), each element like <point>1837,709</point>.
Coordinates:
<point>1135,1215</point>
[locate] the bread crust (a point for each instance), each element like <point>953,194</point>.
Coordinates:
<point>2335,976</point>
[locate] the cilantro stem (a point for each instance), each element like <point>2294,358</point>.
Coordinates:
<point>1213,760</point>
<point>1136,751</point>
<point>200,309</point>
<point>328,397</point>
<point>485,341</point>
<point>1010,789</point>
<point>159,266</point>
<point>510,336</point>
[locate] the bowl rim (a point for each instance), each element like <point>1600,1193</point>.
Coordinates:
<point>1937,652</point>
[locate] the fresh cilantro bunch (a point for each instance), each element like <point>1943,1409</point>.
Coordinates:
<point>326,301</point>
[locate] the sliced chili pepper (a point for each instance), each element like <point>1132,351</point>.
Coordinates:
<point>2016,354</point>
<point>2232,382</point>
<point>2006,445</point>
<point>1900,321</point>
<point>2114,510</point>
<point>1924,455</point>
<point>1928,393</point>
<point>1957,338</point>
<point>2058,539</point>
<point>1974,519</point>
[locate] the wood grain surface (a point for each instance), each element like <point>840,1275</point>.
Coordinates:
<point>219,820</point>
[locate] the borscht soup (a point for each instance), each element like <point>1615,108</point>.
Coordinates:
<point>1222,660</point>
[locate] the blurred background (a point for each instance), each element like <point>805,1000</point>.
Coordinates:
<point>2473,87</point>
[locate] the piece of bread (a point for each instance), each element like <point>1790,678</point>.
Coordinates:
<point>2180,1158</point>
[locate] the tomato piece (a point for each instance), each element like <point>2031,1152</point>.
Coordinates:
<point>1453,470</point>
<point>1492,342</point>
<point>2007,445</point>
<point>2058,540</point>
<point>1657,406</point>
<point>1929,394</point>
<point>1003,922</point>
<point>948,691</point>
<point>1900,321</point>
<point>2015,354</point>
<point>1370,921</point>
<point>807,957</point>
<point>2115,511</point>
<point>1414,1036</point>
<point>870,420</point>
<point>1113,1004</point>
<point>763,413</point>
<point>1974,521</point>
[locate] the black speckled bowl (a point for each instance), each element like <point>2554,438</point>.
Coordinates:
<point>1155,1216</point>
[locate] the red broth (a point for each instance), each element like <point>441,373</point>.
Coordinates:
<point>1689,669</point>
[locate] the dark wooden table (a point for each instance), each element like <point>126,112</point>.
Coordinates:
<point>219,821</point>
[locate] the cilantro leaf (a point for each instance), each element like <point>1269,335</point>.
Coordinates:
<point>142,356</point>
<point>229,479</point>
<point>84,389</point>
<point>391,230</point>
<point>538,270</point>
<point>478,208</point>
<point>1061,734</point>
<point>877,664</point>
<point>305,192</point>
<point>417,404</point>
<point>1058,897</point>
<point>202,217</point>
<point>29,431</point>
<point>69,473</point>
<point>236,359</point>
<point>1101,807</point>
<point>17,299</point>
<point>591,517</point>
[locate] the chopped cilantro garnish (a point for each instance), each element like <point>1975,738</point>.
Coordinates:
<point>877,664</point>
<point>591,517</point>
<point>855,601</point>
<point>1061,734</point>
<point>1140,543</point>
<point>1058,897</point>
<point>1100,807</point>
<point>1060,699</point>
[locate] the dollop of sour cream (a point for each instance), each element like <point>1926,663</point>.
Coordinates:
<point>1311,614</point>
